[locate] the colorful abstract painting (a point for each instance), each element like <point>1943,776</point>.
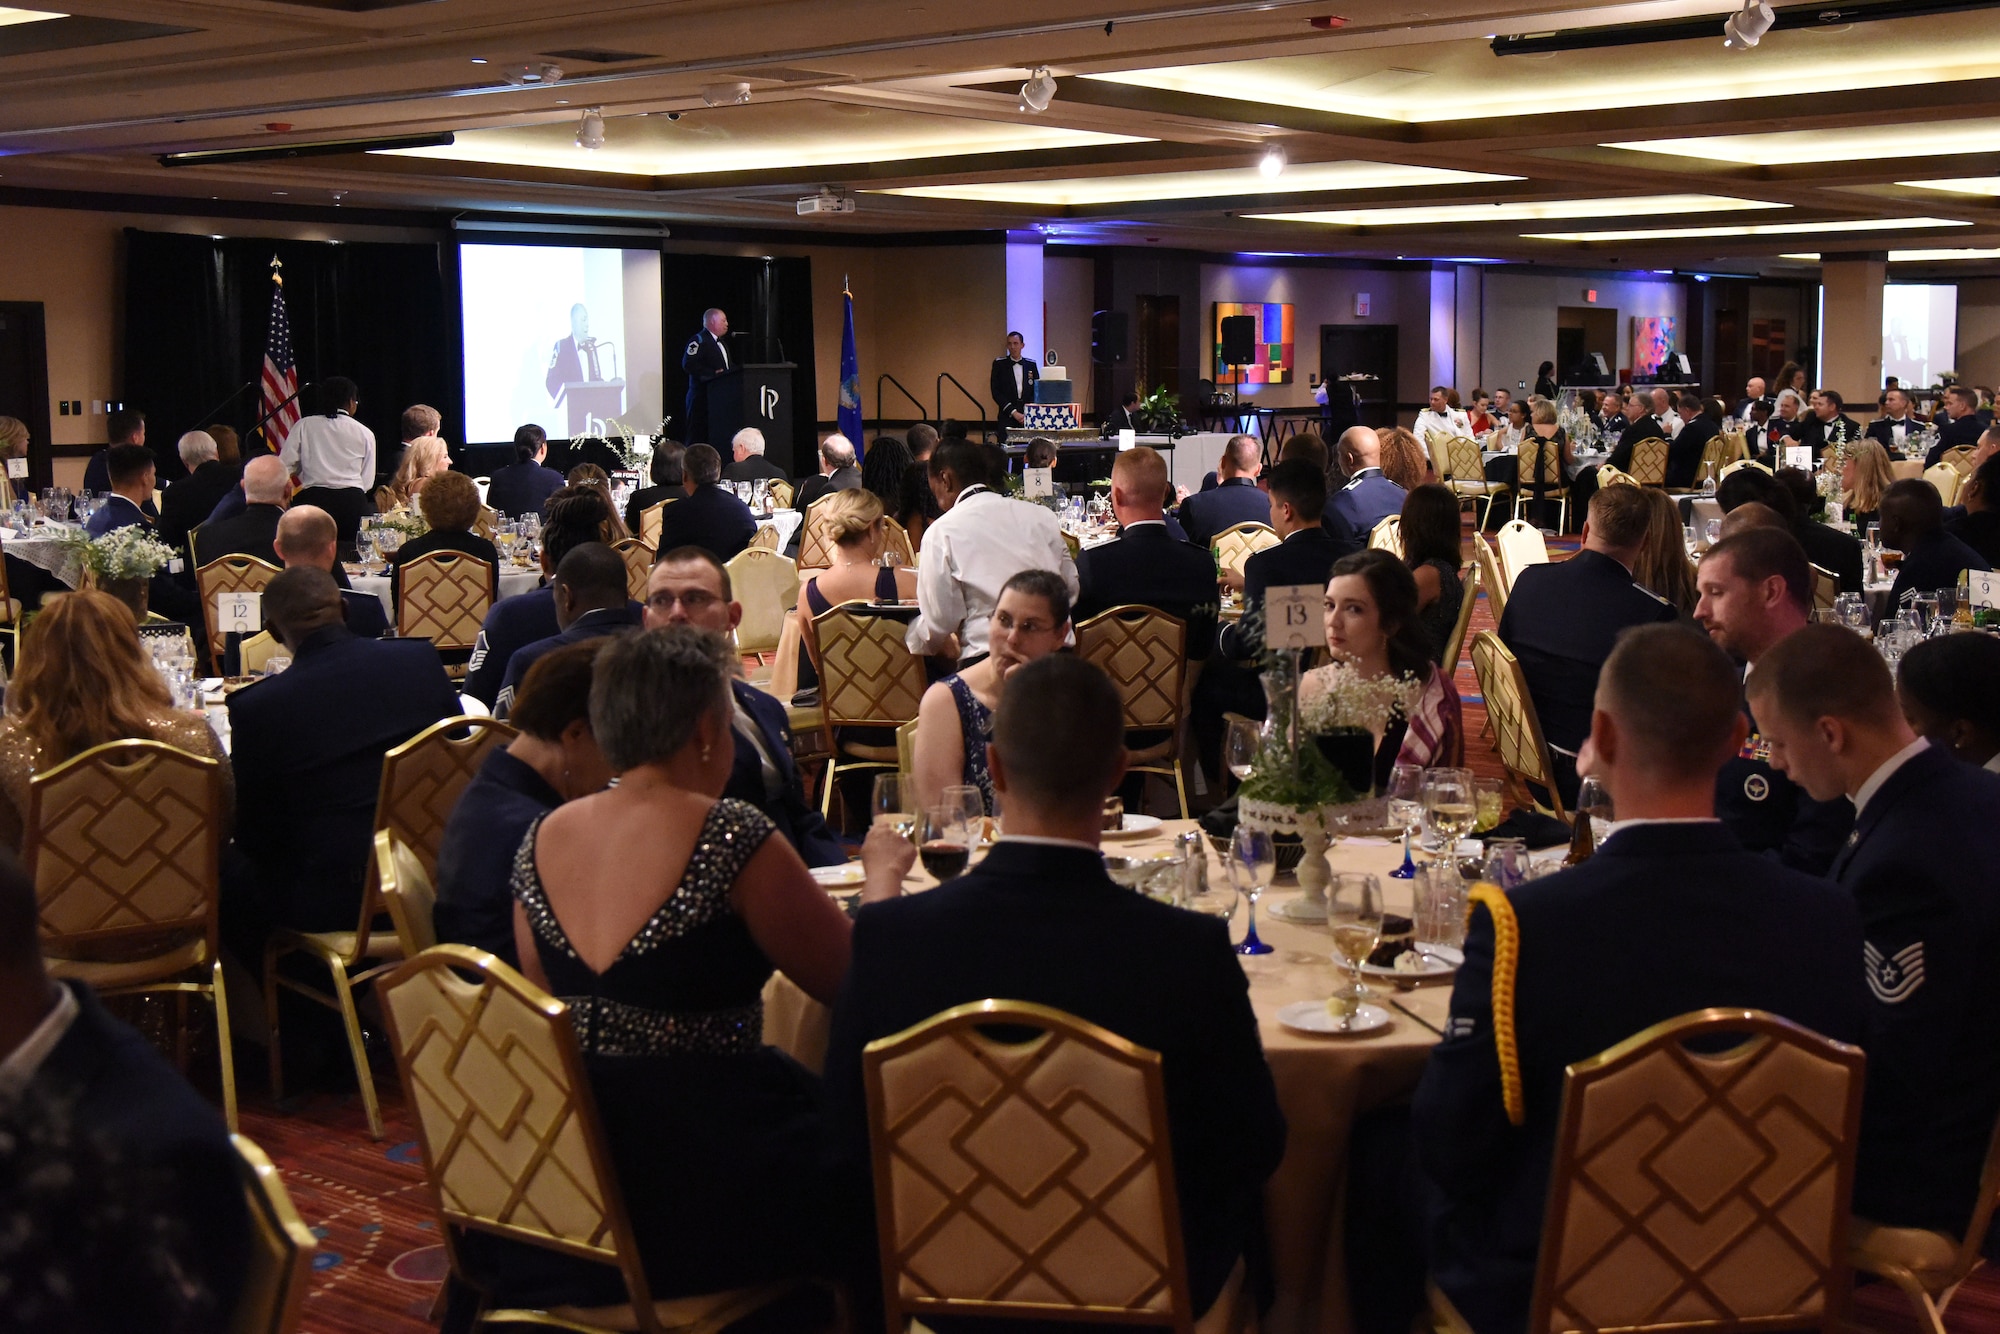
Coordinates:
<point>1271,358</point>
<point>1652,343</point>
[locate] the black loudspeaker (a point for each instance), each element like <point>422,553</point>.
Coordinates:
<point>1239,339</point>
<point>1109,337</point>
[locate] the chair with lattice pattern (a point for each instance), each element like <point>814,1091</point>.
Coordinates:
<point>649,522</point>
<point>1235,545</point>
<point>511,1139</point>
<point>766,586</point>
<point>1144,652</point>
<point>1517,732</point>
<point>443,596</point>
<point>1729,468</point>
<point>1721,451</point>
<point>638,558</point>
<point>421,783</point>
<point>1929,1266</point>
<point>896,538</point>
<point>1490,578</point>
<point>867,678</point>
<point>1698,1186</point>
<point>407,892</point>
<point>228,574</point>
<point>1539,476</point>
<point>782,493</point>
<point>1521,545</point>
<point>279,1265</point>
<point>816,544</point>
<point>1030,1179</point>
<point>1826,588</point>
<point>1468,577</point>
<point>1388,536</point>
<point>1946,480</point>
<point>123,843</point>
<point>1464,471</point>
<point>1649,461</point>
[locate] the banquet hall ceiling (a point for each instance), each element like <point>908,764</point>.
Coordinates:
<point>1405,134</point>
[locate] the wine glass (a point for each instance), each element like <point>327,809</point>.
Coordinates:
<point>1253,860</point>
<point>1593,802</point>
<point>946,842</point>
<point>1239,746</point>
<point>1215,897</point>
<point>970,802</point>
<point>1406,809</point>
<point>891,804</point>
<point>1354,916</point>
<point>1489,796</point>
<point>1450,804</point>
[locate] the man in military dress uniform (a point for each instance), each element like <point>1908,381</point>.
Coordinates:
<point>1923,866</point>
<point>1756,588</point>
<point>707,356</point>
<point>1012,384</point>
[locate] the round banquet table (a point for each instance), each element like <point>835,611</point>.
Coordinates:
<point>513,579</point>
<point>1323,1083</point>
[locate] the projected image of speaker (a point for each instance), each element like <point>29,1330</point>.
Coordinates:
<point>1239,339</point>
<point>1109,337</point>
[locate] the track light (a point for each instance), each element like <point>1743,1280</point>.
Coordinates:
<point>725,94</point>
<point>1038,91</point>
<point>538,75</point>
<point>590,130</point>
<point>1744,30</point>
<point>1272,163</point>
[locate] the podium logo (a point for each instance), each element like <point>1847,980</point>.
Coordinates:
<point>767,399</point>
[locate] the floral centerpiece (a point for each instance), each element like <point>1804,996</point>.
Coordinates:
<point>409,522</point>
<point>1346,712</point>
<point>634,451</point>
<point>120,563</point>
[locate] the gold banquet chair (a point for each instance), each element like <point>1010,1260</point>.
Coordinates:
<point>1521,545</point>
<point>1649,461</point>
<point>1490,577</point>
<point>867,678</point>
<point>281,1249</point>
<point>1388,536</point>
<point>407,892</point>
<point>421,782</point>
<point>1826,588</point>
<point>638,558</point>
<point>444,597</point>
<point>815,536</point>
<point>1538,475</point>
<point>1929,1266</point>
<point>1716,455</point>
<point>781,494</point>
<point>1960,459</point>
<point>649,522</point>
<point>1235,545</point>
<point>1028,1179</point>
<point>228,574</point>
<point>1455,645</point>
<point>124,843</point>
<point>1517,733</point>
<point>1144,652</point>
<point>1700,1190</point>
<point>766,584</point>
<point>511,1138</point>
<point>896,538</point>
<point>1464,471</point>
<point>1946,480</point>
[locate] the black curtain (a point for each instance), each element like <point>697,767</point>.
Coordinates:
<point>771,301</point>
<point>197,312</point>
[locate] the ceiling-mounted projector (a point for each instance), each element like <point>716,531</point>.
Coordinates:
<point>825,202</point>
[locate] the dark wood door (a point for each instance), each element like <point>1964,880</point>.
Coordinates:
<point>1158,355</point>
<point>1363,349</point>
<point>24,382</point>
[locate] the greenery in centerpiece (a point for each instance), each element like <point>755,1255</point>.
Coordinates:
<point>409,522</point>
<point>634,451</point>
<point>1287,773</point>
<point>131,552</point>
<point>1157,411</point>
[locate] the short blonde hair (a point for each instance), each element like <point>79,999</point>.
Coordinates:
<point>450,502</point>
<point>13,437</point>
<point>851,514</point>
<point>1142,471</point>
<point>1543,412</point>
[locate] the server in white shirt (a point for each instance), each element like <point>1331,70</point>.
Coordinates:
<point>983,540</point>
<point>332,450</point>
<point>1441,418</point>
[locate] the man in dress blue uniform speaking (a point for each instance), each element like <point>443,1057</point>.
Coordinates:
<point>707,356</point>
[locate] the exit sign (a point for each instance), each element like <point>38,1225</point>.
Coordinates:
<point>1590,295</point>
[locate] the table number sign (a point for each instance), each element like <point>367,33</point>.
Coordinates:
<point>1127,438</point>
<point>17,467</point>
<point>1292,616</point>
<point>1982,589</point>
<point>1038,483</point>
<point>239,613</point>
<point>1799,456</point>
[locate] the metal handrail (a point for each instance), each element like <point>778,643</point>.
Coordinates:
<point>899,389</point>
<point>947,375</point>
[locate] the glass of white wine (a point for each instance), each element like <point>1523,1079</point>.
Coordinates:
<point>1451,804</point>
<point>1239,746</point>
<point>1354,916</point>
<point>894,804</point>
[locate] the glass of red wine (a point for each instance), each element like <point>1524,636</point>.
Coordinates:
<point>945,842</point>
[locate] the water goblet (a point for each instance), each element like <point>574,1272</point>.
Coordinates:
<point>1253,861</point>
<point>1406,810</point>
<point>893,803</point>
<point>970,802</point>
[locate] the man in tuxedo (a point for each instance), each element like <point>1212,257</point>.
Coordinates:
<point>1827,422</point>
<point>1959,423</point>
<point>1690,442</point>
<point>522,486</point>
<point>1753,393</point>
<point>126,426</point>
<point>1895,426</point>
<point>1663,412</point>
<point>1146,566</point>
<point>1756,589</point>
<point>1672,915</point>
<point>1640,424</point>
<point>1367,498</point>
<point>591,603</point>
<point>131,470</point>
<point>307,748</point>
<point>1120,418</point>
<point>707,356</point>
<point>106,1144</point>
<point>572,516</point>
<point>1039,920</point>
<point>836,473</point>
<point>710,518</point>
<point>1562,619</point>
<point>306,536</point>
<point>749,463</point>
<point>1235,497</point>
<point>253,532</point>
<point>1305,552</point>
<point>1924,868</point>
<point>1012,384</point>
<point>189,499</point>
<point>1912,518</point>
<point>688,586</point>
<point>566,363</point>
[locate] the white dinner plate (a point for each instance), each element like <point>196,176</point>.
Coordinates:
<point>1135,826</point>
<point>1312,1017</point>
<point>843,876</point>
<point>1439,961</point>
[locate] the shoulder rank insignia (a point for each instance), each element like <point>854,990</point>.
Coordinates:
<point>694,347</point>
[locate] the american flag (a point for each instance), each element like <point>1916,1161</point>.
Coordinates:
<point>281,373</point>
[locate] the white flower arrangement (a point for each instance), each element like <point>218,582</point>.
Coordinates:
<point>409,522</point>
<point>131,552</point>
<point>1345,700</point>
<point>634,450</point>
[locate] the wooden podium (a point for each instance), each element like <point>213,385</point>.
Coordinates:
<point>760,396</point>
<point>602,399</point>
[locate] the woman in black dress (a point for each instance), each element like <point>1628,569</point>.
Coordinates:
<point>1433,551</point>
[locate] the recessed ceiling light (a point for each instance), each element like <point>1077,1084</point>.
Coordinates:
<point>479,60</point>
<point>1630,206</point>
<point>1934,256</point>
<point>1299,177</point>
<point>9,17</point>
<point>1272,164</point>
<point>1859,143</point>
<point>1755,229</point>
<point>1965,185</point>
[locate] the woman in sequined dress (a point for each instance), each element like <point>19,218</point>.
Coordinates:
<point>657,912</point>
<point>82,680</point>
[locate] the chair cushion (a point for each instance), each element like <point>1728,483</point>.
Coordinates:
<point>1924,1253</point>
<point>106,973</point>
<point>382,942</point>
<point>672,1313</point>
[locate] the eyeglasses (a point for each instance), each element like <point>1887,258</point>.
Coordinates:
<point>694,600</point>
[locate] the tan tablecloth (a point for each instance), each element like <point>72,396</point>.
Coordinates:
<point>1323,1083</point>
